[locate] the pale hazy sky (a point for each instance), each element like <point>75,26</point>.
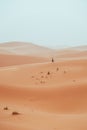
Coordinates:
<point>52,23</point>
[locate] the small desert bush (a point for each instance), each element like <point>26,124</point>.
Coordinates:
<point>15,113</point>
<point>5,108</point>
<point>64,72</point>
<point>57,69</point>
<point>48,73</point>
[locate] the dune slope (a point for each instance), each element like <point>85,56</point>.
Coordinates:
<point>11,60</point>
<point>47,96</point>
<point>23,48</point>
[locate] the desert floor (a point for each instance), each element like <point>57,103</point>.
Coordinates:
<point>45,95</point>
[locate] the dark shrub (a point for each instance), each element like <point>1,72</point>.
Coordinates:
<point>57,69</point>
<point>5,108</point>
<point>48,73</point>
<point>15,113</point>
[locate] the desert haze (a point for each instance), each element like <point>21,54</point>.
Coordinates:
<point>38,94</point>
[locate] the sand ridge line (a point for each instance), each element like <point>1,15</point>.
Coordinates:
<point>22,65</point>
<point>8,68</point>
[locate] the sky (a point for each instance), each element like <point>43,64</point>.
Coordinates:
<point>51,23</point>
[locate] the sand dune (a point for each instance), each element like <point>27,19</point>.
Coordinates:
<point>74,52</point>
<point>46,101</point>
<point>30,49</point>
<point>10,60</point>
<point>84,47</point>
<point>47,96</point>
<point>21,48</point>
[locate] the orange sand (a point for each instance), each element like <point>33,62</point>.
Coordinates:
<point>54,101</point>
<point>10,60</point>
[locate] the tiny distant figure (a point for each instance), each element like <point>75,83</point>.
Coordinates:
<point>52,60</point>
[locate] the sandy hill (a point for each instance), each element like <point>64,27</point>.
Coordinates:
<point>74,52</point>
<point>21,48</point>
<point>11,60</point>
<point>13,44</point>
<point>44,95</point>
<point>80,47</point>
<point>17,53</point>
<point>46,101</point>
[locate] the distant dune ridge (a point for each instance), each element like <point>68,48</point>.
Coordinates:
<point>14,53</point>
<point>38,94</point>
<point>21,48</point>
<point>11,52</point>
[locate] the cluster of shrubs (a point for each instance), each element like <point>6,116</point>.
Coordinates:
<point>13,113</point>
